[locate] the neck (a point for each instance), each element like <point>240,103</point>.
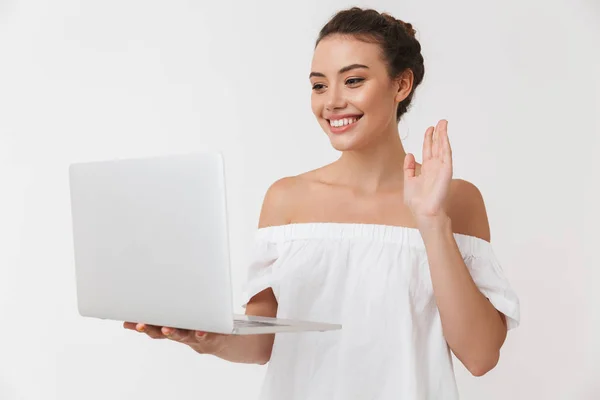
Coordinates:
<point>378,166</point>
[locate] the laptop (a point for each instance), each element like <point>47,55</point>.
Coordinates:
<point>150,238</point>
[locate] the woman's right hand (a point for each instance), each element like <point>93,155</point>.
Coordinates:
<point>249,349</point>
<point>202,342</point>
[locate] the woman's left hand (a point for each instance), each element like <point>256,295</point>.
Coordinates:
<point>425,194</point>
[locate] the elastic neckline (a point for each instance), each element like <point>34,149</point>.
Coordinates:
<point>349,230</point>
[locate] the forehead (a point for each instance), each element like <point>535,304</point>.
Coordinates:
<point>337,51</point>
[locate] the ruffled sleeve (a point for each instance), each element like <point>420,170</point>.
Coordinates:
<point>489,277</point>
<point>263,270</point>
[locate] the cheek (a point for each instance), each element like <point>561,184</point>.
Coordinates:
<point>368,100</point>
<point>377,104</point>
<point>316,106</point>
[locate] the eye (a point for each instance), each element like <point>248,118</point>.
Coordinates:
<point>318,86</point>
<point>354,81</point>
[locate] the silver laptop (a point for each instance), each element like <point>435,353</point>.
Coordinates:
<point>151,245</point>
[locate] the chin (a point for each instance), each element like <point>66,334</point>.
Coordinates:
<point>352,140</point>
<point>346,142</point>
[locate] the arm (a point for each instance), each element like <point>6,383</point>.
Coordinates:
<point>473,328</point>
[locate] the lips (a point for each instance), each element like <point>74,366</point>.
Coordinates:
<point>343,123</point>
<point>339,122</point>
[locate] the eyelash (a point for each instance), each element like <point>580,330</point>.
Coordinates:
<point>319,86</point>
<point>358,80</point>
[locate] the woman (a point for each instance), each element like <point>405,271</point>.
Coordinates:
<point>395,251</point>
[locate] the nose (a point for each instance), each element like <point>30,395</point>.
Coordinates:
<point>335,99</point>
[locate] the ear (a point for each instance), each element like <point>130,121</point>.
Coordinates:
<point>403,85</point>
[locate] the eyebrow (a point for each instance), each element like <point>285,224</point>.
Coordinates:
<point>341,71</point>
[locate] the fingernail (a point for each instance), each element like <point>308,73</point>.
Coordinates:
<point>200,334</point>
<point>140,327</point>
<point>167,331</point>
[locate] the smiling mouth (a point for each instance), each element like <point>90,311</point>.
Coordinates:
<point>343,122</point>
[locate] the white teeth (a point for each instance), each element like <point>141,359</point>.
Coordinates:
<point>336,123</point>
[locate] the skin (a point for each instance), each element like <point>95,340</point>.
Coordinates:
<point>375,181</point>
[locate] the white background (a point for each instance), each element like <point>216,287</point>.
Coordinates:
<point>89,80</point>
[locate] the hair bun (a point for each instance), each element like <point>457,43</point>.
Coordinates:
<point>406,25</point>
<point>409,28</point>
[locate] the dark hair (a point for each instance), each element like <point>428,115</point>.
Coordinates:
<point>401,50</point>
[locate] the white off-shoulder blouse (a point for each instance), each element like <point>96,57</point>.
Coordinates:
<point>374,280</point>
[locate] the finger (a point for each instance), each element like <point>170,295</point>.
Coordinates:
<point>129,325</point>
<point>427,143</point>
<point>434,144</point>
<point>178,335</point>
<point>439,137</point>
<point>446,149</point>
<point>206,343</point>
<point>200,335</point>
<point>150,330</point>
<point>409,166</point>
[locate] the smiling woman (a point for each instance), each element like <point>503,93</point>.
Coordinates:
<point>377,71</point>
<point>395,251</point>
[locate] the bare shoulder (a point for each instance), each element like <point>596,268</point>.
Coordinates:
<point>278,203</point>
<point>467,211</point>
<point>286,195</point>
